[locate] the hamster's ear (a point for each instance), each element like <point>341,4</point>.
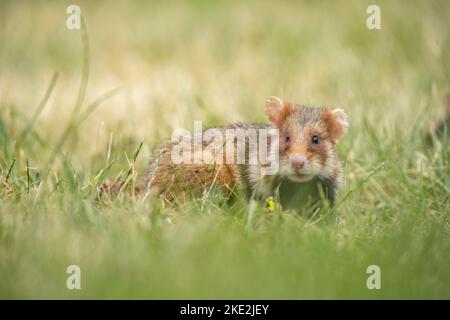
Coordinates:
<point>337,123</point>
<point>277,110</point>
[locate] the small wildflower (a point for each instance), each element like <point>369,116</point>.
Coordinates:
<point>271,204</point>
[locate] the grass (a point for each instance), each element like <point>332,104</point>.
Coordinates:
<point>61,136</point>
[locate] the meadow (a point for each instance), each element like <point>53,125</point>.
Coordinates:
<point>82,107</point>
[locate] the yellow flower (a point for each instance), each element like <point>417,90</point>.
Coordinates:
<point>271,204</point>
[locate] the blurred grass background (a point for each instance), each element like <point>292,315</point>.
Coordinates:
<point>176,62</point>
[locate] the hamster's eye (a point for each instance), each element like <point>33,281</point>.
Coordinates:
<point>315,139</point>
<point>287,139</point>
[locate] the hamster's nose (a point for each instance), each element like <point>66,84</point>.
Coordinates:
<point>297,162</point>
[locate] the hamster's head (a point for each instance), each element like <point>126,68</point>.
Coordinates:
<point>307,138</point>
